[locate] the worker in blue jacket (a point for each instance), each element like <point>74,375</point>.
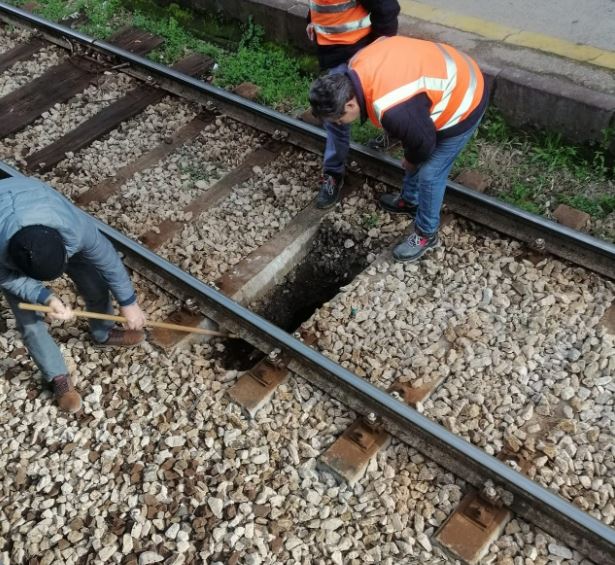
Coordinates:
<point>43,236</point>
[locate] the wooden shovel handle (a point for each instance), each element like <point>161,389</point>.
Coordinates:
<point>113,318</point>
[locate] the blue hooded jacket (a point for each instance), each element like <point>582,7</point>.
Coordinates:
<point>25,201</point>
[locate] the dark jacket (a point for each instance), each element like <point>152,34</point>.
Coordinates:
<point>26,201</point>
<point>383,15</point>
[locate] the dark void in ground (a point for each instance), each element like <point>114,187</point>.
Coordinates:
<point>327,267</point>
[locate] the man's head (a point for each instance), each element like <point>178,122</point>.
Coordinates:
<point>38,252</point>
<point>334,100</point>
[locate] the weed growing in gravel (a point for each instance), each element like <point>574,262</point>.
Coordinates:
<point>194,172</point>
<point>370,221</point>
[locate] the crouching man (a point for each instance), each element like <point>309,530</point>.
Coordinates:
<point>43,236</point>
<point>431,97</point>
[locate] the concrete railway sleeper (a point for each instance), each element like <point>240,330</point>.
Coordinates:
<point>237,178</point>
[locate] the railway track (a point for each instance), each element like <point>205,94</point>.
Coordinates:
<point>436,335</point>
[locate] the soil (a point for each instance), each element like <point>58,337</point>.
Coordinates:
<point>316,280</point>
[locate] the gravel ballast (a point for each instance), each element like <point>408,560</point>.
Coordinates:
<point>161,467</point>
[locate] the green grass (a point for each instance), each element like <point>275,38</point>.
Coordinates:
<point>102,17</point>
<point>494,128</point>
<point>598,207</point>
<point>362,133</point>
<point>549,151</point>
<point>178,42</point>
<point>524,197</point>
<point>284,79</point>
<point>280,77</point>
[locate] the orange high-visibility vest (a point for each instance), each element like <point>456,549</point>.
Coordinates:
<point>339,21</point>
<point>394,69</point>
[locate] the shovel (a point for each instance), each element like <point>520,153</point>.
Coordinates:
<point>121,319</point>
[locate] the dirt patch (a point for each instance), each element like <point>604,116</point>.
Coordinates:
<point>334,261</point>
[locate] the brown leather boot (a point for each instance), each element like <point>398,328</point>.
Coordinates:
<point>123,338</point>
<point>67,397</point>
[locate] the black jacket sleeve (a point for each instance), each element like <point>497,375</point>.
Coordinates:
<point>411,123</point>
<point>383,16</point>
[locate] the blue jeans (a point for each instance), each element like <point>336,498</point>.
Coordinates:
<point>42,348</point>
<point>336,148</point>
<point>425,187</point>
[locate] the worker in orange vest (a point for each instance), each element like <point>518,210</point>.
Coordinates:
<point>340,29</point>
<point>430,96</point>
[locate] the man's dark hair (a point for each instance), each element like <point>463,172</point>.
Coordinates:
<point>329,94</point>
<point>38,252</point>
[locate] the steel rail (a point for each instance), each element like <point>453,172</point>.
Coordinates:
<point>541,233</point>
<point>530,501</point>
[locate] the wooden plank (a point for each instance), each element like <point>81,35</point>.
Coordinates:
<point>107,188</point>
<point>213,195</point>
<point>19,53</point>
<point>267,265</point>
<point>111,116</point>
<point>60,83</point>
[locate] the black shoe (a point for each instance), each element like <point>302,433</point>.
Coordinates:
<point>329,192</point>
<point>395,204</point>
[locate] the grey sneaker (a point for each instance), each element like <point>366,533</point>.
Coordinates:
<point>330,191</point>
<point>414,247</point>
<point>395,204</point>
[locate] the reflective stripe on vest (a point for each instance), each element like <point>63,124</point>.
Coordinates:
<point>332,8</point>
<point>339,21</point>
<point>363,23</point>
<point>467,98</point>
<point>444,85</point>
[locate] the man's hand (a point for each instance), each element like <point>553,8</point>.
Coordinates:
<point>135,318</point>
<point>59,310</point>
<point>310,32</point>
<point>408,166</point>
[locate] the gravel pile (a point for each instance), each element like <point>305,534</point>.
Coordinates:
<point>253,213</point>
<point>12,36</point>
<point>62,118</point>
<point>524,361</point>
<point>25,71</point>
<point>160,467</point>
<point>161,192</point>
